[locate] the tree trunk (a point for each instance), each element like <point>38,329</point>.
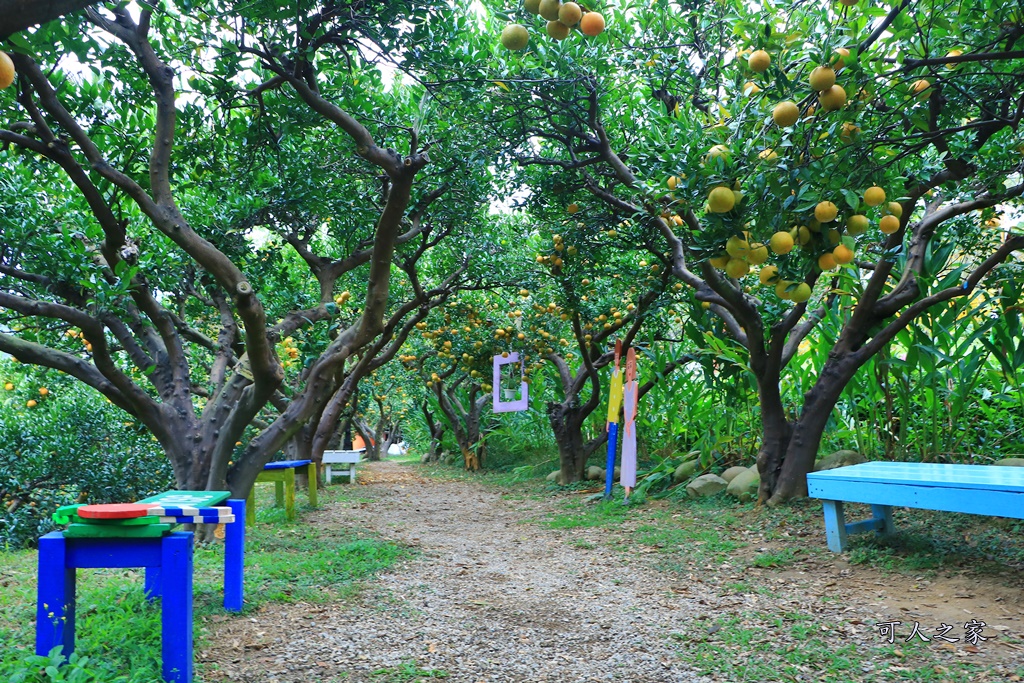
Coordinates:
<point>567,425</point>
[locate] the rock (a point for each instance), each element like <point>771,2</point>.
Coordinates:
<point>706,485</point>
<point>595,473</point>
<point>839,459</point>
<point>1010,462</point>
<point>731,473</point>
<point>744,485</point>
<point>616,473</point>
<point>685,471</point>
<point>553,476</point>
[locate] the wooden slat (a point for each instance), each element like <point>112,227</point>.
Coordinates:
<point>951,499</point>
<point>983,477</point>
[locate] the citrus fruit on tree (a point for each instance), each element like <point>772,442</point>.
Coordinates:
<point>514,37</point>
<point>873,196</point>
<point>758,254</point>
<point>557,30</point>
<point>822,78</point>
<point>719,151</point>
<point>736,267</point>
<point>532,6</point>
<point>9,386</point>
<point>31,403</point>
<point>840,61</point>
<point>782,289</point>
<point>592,24</point>
<point>827,262</point>
<point>6,70</point>
<point>719,262</point>
<point>781,243</point>
<point>800,293</point>
<point>953,53</point>
<point>889,224</point>
<point>785,114</point>
<point>549,9</point>
<point>842,253</point>
<point>895,208</point>
<point>569,13</point>
<point>767,274</point>
<point>857,224</point>
<point>833,98</point>
<point>826,211</point>
<point>721,200</point>
<point>759,61</point>
<point>737,247</point>
<point>921,87</point>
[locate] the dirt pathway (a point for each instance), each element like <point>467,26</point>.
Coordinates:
<point>486,599</point>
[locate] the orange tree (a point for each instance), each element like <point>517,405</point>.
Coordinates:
<point>151,238</point>
<point>793,161</point>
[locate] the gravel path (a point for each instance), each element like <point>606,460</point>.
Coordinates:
<point>488,598</point>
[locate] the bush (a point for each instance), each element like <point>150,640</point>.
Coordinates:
<point>71,446</point>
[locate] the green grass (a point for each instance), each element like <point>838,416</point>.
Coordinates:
<point>118,632</point>
<point>408,672</point>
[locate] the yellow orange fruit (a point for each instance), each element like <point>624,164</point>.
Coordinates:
<point>785,114</point>
<point>827,262</point>
<point>43,391</point>
<point>857,224</point>
<point>514,37</point>
<point>800,293</point>
<point>750,88</point>
<point>569,13</point>
<point>895,208</point>
<point>768,274</point>
<point>826,211</point>
<point>848,132</point>
<point>781,289</point>
<point>840,61</point>
<point>953,53</point>
<point>889,224</point>
<point>822,78</point>
<point>719,262</point>
<point>532,6</point>
<point>31,403</point>
<point>921,87</point>
<point>781,243</point>
<point>736,267</point>
<point>719,151</point>
<point>843,254</point>
<point>759,61</point>
<point>592,24</point>
<point>737,247</point>
<point>6,70</point>
<point>833,98</point>
<point>768,155</point>
<point>758,254</point>
<point>557,30</point>
<point>721,200</point>
<point>572,208</point>
<point>673,182</point>
<point>9,386</point>
<point>874,195</point>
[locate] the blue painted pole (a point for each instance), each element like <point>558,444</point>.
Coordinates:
<point>55,606</point>
<point>613,445</point>
<point>176,610</point>
<point>234,555</point>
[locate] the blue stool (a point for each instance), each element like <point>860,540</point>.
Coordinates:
<point>168,563</point>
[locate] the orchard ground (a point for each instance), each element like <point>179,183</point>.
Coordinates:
<point>480,578</point>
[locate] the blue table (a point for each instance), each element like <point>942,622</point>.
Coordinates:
<point>975,489</point>
<point>168,564</point>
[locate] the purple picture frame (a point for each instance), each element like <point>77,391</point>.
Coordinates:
<point>508,406</point>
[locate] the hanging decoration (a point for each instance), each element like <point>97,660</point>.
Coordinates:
<point>614,404</point>
<point>630,397</point>
<point>499,388</point>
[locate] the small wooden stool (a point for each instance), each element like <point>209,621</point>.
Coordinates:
<point>283,475</point>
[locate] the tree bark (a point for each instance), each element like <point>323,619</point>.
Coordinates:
<point>18,15</point>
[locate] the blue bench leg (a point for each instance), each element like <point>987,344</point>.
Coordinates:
<point>177,607</point>
<point>835,525</point>
<point>55,599</point>
<point>883,514</point>
<point>234,557</point>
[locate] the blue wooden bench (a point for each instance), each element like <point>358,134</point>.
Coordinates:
<point>975,489</point>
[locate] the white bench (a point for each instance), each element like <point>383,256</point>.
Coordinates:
<point>347,460</point>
